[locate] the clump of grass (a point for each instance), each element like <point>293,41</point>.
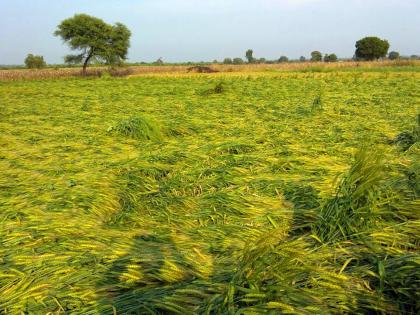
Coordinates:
<point>139,128</point>
<point>280,276</point>
<point>219,88</point>
<point>235,148</point>
<point>317,104</point>
<point>407,139</point>
<point>355,205</point>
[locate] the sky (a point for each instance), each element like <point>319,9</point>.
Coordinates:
<point>204,30</point>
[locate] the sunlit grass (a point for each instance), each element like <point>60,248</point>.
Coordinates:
<point>175,193</point>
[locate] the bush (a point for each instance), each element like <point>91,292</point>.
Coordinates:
<point>35,62</point>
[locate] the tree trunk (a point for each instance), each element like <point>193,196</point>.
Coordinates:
<point>85,64</point>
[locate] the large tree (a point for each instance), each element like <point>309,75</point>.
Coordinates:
<point>394,55</point>
<point>316,56</point>
<point>94,40</point>
<point>249,56</point>
<point>35,62</point>
<point>330,58</point>
<point>371,48</point>
<point>283,59</point>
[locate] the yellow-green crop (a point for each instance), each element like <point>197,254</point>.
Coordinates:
<point>250,193</point>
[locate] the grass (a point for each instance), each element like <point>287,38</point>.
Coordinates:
<point>139,128</point>
<point>280,192</point>
<point>384,66</point>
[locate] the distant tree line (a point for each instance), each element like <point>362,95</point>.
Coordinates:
<point>368,49</point>
<point>98,42</point>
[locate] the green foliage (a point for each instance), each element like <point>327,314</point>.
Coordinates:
<point>228,61</point>
<point>330,58</point>
<point>219,88</point>
<point>94,40</point>
<point>302,59</point>
<point>407,139</point>
<point>394,55</point>
<point>283,59</point>
<point>316,56</point>
<point>138,128</point>
<point>317,104</point>
<point>371,48</point>
<point>355,205</point>
<point>34,62</point>
<point>222,216</point>
<point>237,61</point>
<point>249,56</point>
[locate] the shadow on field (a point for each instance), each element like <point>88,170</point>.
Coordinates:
<point>306,200</point>
<point>137,282</point>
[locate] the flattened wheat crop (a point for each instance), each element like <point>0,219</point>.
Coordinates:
<point>248,193</point>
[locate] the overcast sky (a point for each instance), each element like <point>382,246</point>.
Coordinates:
<point>195,30</point>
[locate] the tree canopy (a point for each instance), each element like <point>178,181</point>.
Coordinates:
<point>34,62</point>
<point>249,56</point>
<point>316,56</point>
<point>228,61</point>
<point>371,48</point>
<point>394,55</point>
<point>330,58</point>
<point>94,40</point>
<point>237,61</point>
<point>283,59</point>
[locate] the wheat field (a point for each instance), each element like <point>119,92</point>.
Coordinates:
<point>251,192</point>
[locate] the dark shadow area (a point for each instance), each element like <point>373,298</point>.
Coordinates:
<point>306,200</point>
<point>147,279</point>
